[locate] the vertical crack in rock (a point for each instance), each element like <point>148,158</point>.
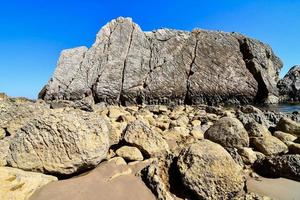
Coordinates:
<point>262,90</point>
<point>187,99</point>
<point>120,98</point>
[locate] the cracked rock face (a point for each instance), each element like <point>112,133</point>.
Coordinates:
<point>128,66</point>
<point>289,86</point>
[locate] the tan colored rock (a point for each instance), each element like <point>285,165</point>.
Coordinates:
<point>248,155</point>
<point>162,122</point>
<point>284,137</point>
<point>110,154</point>
<point>176,133</point>
<point>115,111</point>
<point>196,122</point>
<point>269,145</point>
<point>130,153</point>
<point>2,133</point>
<point>209,171</point>
<point>61,141</point>
<point>263,141</point>
<point>228,132</point>
<point>289,126</point>
<point>16,184</point>
<point>13,115</point>
<point>4,150</point>
<point>156,177</point>
<point>197,134</point>
<point>118,161</point>
<point>3,96</point>
<point>116,131</point>
<point>148,141</point>
<point>182,121</point>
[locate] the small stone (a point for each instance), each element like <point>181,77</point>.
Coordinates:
<point>147,140</point>
<point>118,161</point>
<point>176,133</point>
<point>248,155</point>
<point>130,153</point>
<point>196,123</point>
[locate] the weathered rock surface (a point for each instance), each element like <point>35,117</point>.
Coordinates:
<point>14,114</point>
<point>289,86</point>
<point>16,184</point>
<point>284,137</point>
<point>130,153</point>
<point>147,140</point>
<point>60,142</point>
<point>128,66</point>
<point>263,141</point>
<point>228,132</point>
<point>289,126</point>
<point>4,151</point>
<point>209,171</point>
<point>287,166</point>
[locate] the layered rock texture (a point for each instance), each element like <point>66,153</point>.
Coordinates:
<point>289,86</point>
<point>128,66</point>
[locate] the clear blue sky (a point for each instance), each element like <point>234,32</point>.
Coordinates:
<point>32,33</point>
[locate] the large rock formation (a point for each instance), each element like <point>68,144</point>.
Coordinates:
<point>289,86</point>
<point>128,66</point>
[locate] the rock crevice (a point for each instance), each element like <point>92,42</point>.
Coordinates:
<point>128,66</point>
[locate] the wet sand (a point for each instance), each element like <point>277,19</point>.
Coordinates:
<point>279,188</point>
<point>107,182</point>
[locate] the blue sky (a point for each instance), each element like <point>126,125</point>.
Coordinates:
<point>32,33</point>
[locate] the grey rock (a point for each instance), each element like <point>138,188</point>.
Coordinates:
<point>228,132</point>
<point>128,66</point>
<point>287,166</point>
<point>289,86</point>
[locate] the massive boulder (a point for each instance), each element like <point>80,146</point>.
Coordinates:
<point>289,86</point>
<point>60,142</point>
<point>209,171</point>
<point>128,66</point>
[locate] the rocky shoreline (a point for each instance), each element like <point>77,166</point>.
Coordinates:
<point>139,116</point>
<point>179,152</point>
